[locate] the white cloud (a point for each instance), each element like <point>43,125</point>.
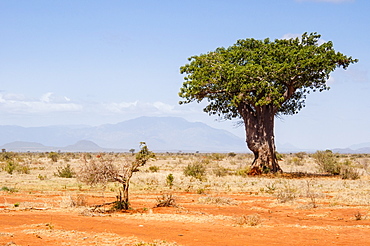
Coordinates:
<point>48,102</point>
<point>46,97</point>
<point>139,107</point>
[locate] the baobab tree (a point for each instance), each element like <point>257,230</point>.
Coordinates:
<point>256,80</point>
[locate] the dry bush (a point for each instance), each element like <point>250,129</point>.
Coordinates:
<point>65,172</point>
<point>359,216</point>
<point>196,170</point>
<point>327,162</point>
<point>166,200</point>
<point>220,171</point>
<point>348,172</point>
<point>249,220</point>
<point>78,200</point>
<point>217,200</point>
<point>286,193</point>
<point>106,168</point>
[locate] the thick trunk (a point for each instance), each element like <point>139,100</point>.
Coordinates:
<point>122,202</point>
<point>125,195</point>
<point>259,127</point>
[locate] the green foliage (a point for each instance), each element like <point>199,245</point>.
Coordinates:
<point>270,188</point>
<point>65,172</point>
<point>11,190</point>
<point>120,205</point>
<point>327,162</point>
<point>231,154</point>
<point>220,171</point>
<point>243,171</point>
<point>143,155</point>
<point>41,177</point>
<point>300,155</point>
<point>279,156</point>
<point>169,180</point>
<point>10,166</point>
<point>257,73</point>
<point>25,169</point>
<point>217,156</point>
<point>295,161</point>
<point>153,169</point>
<point>53,156</point>
<point>5,156</point>
<point>196,170</point>
<point>132,151</point>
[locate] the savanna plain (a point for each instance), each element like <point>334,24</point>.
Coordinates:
<point>321,198</point>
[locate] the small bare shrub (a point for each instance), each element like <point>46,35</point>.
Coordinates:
<point>286,193</point>
<point>217,200</point>
<point>348,172</point>
<point>103,169</point>
<point>74,201</point>
<point>359,216</point>
<point>79,200</point>
<point>310,193</point>
<point>249,220</point>
<point>270,188</point>
<point>166,200</point>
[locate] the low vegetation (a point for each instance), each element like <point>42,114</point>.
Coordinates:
<point>206,188</point>
<point>305,177</point>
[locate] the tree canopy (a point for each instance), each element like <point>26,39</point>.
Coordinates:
<point>261,72</point>
<point>255,80</point>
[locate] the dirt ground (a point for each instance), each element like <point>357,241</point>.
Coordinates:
<point>245,219</point>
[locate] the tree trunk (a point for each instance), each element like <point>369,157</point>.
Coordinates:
<point>125,195</point>
<point>259,127</point>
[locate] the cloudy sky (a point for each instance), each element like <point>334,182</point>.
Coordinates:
<point>96,62</point>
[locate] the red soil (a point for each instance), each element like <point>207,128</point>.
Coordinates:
<point>285,224</point>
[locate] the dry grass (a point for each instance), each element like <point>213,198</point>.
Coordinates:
<point>320,189</point>
<point>248,220</point>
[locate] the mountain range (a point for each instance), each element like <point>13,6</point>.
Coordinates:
<point>162,134</point>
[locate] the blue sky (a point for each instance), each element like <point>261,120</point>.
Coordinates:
<point>96,62</point>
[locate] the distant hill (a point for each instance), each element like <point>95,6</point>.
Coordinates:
<point>167,134</point>
<point>80,146</point>
<point>160,133</point>
<point>25,146</point>
<point>365,150</point>
<point>83,146</point>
